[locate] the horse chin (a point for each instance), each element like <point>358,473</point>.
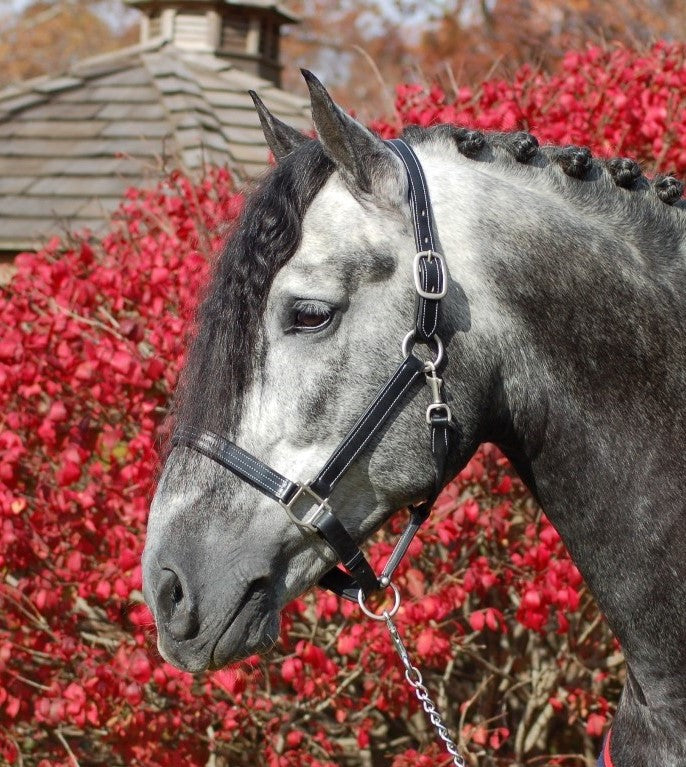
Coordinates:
<point>252,631</point>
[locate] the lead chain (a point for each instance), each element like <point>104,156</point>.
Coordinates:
<point>414,679</point>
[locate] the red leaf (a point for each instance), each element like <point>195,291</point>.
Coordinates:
<point>477,620</point>
<point>595,724</point>
<point>68,473</point>
<point>122,362</point>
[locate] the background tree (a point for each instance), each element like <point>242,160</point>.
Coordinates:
<point>48,36</point>
<point>364,47</point>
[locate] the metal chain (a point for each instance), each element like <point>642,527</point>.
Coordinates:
<point>414,677</point>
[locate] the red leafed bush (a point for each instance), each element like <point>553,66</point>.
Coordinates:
<point>507,636</point>
<point>616,101</point>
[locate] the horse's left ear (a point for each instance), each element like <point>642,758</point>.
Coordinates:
<point>362,158</point>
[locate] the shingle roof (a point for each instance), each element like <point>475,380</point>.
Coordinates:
<point>70,145</point>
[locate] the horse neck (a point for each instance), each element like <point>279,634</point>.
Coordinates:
<point>585,315</point>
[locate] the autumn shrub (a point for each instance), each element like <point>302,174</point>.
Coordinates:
<point>496,614</point>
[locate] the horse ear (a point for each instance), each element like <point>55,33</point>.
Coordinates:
<point>281,138</point>
<point>362,158</point>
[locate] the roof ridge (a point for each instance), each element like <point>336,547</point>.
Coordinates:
<point>176,68</point>
<point>120,53</point>
<point>72,76</point>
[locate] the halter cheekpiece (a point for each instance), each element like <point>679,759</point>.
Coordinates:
<point>307,503</point>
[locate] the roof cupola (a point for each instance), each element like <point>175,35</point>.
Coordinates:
<point>246,33</point>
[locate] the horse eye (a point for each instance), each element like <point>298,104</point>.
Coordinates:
<point>311,316</point>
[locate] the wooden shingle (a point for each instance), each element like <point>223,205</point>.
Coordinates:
<point>71,145</point>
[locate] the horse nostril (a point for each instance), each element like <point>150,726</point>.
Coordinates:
<point>176,610</point>
<point>177,594</point>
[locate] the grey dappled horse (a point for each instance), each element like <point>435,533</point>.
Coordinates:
<point>565,338</point>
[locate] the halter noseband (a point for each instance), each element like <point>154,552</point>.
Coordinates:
<point>306,503</point>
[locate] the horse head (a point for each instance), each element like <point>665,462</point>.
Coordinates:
<point>303,322</point>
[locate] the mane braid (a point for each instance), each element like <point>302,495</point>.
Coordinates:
<point>228,344</point>
<point>576,162</point>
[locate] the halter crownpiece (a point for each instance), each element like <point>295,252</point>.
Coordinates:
<point>307,503</point>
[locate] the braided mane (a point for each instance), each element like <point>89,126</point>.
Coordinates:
<point>575,161</point>
<point>223,354</point>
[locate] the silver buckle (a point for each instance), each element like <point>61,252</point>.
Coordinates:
<point>430,254</point>
<point>439,406</point>
<point>314,514</point>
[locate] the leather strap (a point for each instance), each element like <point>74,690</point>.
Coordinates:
<point>408,372</point>
<point>430,271</point>
<point>279,488</point>
<point>359,570</point>
<point>274,485</point>
<point>240,462</point>
<point>340,582</point>
<point>443,436</point>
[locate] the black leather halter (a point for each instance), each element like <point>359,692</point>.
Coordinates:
<point>306,503</point>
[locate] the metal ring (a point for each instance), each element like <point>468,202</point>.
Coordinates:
<point>386,613</point>
<point>439,351</point>
<point>406,343</point>
<point>436,338</point>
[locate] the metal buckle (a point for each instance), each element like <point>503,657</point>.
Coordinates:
<point>439,406</point>
<point>313,515</point>
<point>430,255</point>
<point>435,384</point>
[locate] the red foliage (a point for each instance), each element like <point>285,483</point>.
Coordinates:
<point>616,101</point>
<point>94,335</point>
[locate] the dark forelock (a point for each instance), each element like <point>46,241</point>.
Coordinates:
<point>223,355</point>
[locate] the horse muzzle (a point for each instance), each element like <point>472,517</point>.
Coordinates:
<point>207,622</point>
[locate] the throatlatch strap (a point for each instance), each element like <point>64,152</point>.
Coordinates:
<point>430,271</point>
